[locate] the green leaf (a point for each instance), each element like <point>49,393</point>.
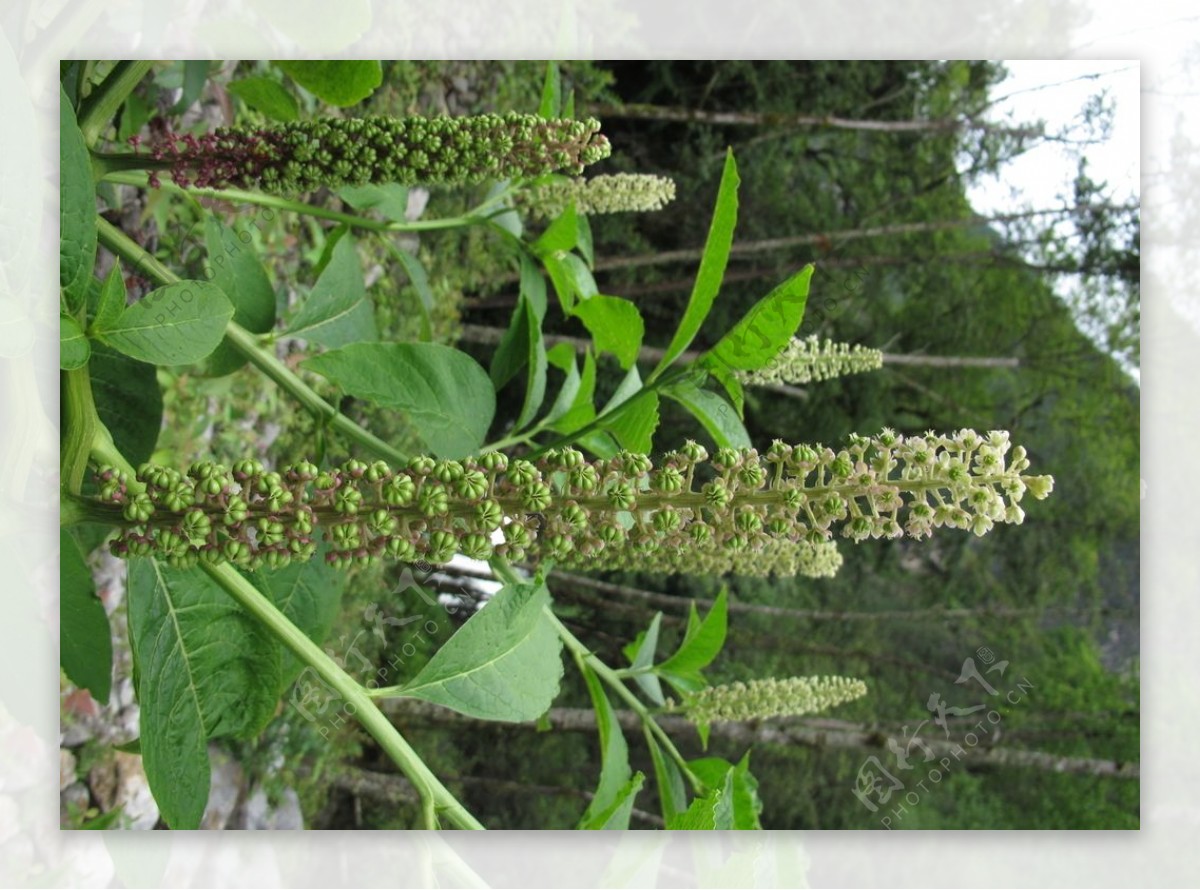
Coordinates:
<point>765,329</point>
<point>733,386</point>
<point>235,268</point>
<point>615,817</point>
<point>615,772</point>
<point>702,641</point>
<point>337,311</point>
<point>641,658</point>
<point>571,279</point>
<point>76,210</point>
<point>513,351</point>
<point>672,793</point>
<point>505,663</point>
<point>702,815</point>
<point>389,199</point>
<point>616,326</point>
<point>739,790</point>
<point>267,95</point>
<point>560,236</point>
<point>174,325</point>
<point>633,425</point>
<point>205,668</point>
<point>128,401</point>
<point>551,93</point>
<point>195,74</point>
<point>585,247</point>
<point>309,594</point>
<point>418,278</point>
<point>446,395</point>
<point>535,381</point>
<point>342,83</point>
<point>85,639</point>
<point>73,345</point>
<point>110,304</point>
<point>712,266</point>
<point>582,409</point>
<point>717,415</point>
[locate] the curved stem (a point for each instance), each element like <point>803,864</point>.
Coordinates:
<point>117,165</point>
<point>102,103</point>
<point>247,344</point>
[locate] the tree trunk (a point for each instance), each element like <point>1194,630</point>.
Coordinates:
<point>638,111</point>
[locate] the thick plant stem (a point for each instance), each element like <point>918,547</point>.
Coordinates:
<point>435,797</point>
<point>247,344</point>
<point>116,165</point>
<point>99,107</point>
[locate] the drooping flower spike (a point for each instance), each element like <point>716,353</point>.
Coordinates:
<point>615,193</point>
<point>763,699</point>
<point>809,359</point>
<point>565,508</point>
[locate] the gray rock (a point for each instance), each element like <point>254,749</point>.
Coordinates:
<point>228,783</point>
<point>259,815</point>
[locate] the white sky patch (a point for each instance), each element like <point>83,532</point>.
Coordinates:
<point>1057,93</point>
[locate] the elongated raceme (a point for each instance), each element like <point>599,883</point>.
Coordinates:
<point>565,508</point>
<point>304,155</point>
<point>763,699</point>
<point>809,359</point>
<point>614,193</point>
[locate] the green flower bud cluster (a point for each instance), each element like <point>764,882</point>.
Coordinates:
<point>300,156</point>
<point>763,699</point>
<point>563,507</point>
<point>808,359</point>
<point>617,193</point>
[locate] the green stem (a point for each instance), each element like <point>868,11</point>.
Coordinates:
<point>435,797</point>
<point>81,421</point>
<point>247,344</point>
<point>120,163</point>
<point>102,103</point>
<point>609,676</point>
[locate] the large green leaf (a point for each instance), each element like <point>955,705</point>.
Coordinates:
<point>766,329</point>
<point>205,668</point>
<point>615,772</point>
<point>337,311</point>
<point>701,644</point>
<point>341,83</point>
<point>560,236</point>
<point>174,325</point>
<point>551,103</point>
<point>235,268</point>
<point>266,95</point>
<point>73,347</point>
<point>444,392</point>
<point>85,639</point>
<point>308,593</point>
<point>616,326</point>
<point>717,415</point>
<point>389,199</point>
<point>128,401</point>
<point>739,790</point>
<point>712,266</point>
<point>77,210</point>
<point>505,663</point>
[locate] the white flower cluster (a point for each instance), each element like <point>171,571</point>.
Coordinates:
<point>762,699</point>
<point>616,193</point>
<point>809,359</point>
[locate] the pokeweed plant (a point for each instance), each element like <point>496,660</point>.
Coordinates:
<point>235,571</point>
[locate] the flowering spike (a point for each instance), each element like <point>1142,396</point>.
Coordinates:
<point>808,359</point>
<point>762,699</point>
